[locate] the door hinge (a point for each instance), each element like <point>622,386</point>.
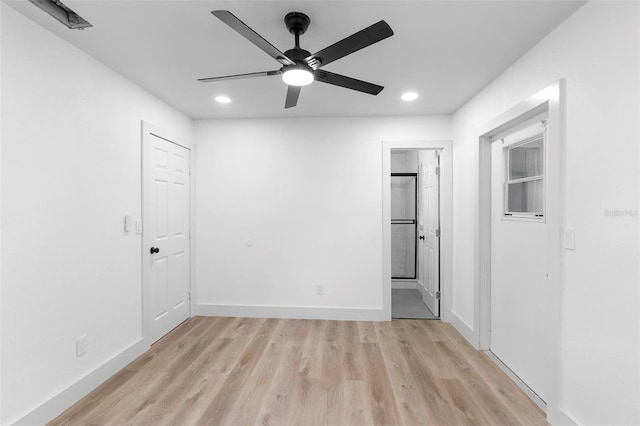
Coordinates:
<point>437,295</point>
<point>438,233</point>
<point>189,296</point>
<point>438,171</point>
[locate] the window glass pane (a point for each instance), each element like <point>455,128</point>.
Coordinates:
<point>403,251</point>
<point>525,197</point>
<point>403,197</point>
<point>526,160</point>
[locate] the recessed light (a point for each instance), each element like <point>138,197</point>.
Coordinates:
<point>409,96</point>
<point>222,99</point>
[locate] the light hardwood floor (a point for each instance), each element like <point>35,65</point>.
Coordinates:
<point>236,371</point>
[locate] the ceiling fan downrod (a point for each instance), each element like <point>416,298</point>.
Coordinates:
<point>297,24</point>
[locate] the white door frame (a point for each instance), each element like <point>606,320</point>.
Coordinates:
<point>446,215</point>
<point>550,99</point>
<point>148,131</point>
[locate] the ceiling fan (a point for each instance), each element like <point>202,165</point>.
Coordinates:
<point>299,67</point>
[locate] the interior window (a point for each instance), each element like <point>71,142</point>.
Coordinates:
<point>524,186</point>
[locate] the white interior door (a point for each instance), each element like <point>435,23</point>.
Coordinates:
<point>166,235</point>
<point>520,236</point>
<point>430,232</point>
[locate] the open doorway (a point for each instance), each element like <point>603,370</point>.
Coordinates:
<point>415,233</point>
<point>445,218</point>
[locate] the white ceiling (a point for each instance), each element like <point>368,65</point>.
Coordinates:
<point>445,50</point>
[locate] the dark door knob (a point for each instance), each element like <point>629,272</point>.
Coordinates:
<point>155,250</point>
<point>421,237</point>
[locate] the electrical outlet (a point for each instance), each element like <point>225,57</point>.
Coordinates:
<point>82,345</point>
<point>320,290</point>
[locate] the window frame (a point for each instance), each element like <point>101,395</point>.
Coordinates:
<point>524,216</point>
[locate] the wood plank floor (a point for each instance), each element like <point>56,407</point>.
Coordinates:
<point>237,371</point>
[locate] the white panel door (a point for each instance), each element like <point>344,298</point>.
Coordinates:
<point>430,234</point>
<point>428,226</point>
<point>519,266</point>
<point>167,219</point>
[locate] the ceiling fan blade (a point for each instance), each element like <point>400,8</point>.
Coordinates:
<point>370,35</point>
<point>231,20</point>
<point>293,92</point>
<point>347,82</point>
<point>239,76</point>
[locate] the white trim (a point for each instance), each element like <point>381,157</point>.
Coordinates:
<point>523,218</point>
<point>149,130</point>
<point>464,328</point>
<point>57,404</point>
<point>517,380</point>
<point>551,99</point>
<point>558,417</point>
<point>290,312</point>
<point>407,285</point>
<point>446,227</point>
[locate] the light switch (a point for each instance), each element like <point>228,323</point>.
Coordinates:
<point>128,221</point>
<point>138,227</point>
<point>569,239</point>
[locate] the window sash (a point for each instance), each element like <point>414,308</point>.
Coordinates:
<point>510,182</point>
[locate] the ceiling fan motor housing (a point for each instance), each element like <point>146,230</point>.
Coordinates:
<point>297,54</point>
<point>297,22</point>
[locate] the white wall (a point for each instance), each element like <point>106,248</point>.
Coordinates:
<point>597,51</point>
<point>403,161</point>
<point>308,193</point>
<point>70,172</point>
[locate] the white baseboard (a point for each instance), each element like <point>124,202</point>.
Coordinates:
<point>404,285</point>
<point>557,417</point>
<point>53,407</point>
<point>290,312</point>
<point>462,327</point>
<point>533,396</point>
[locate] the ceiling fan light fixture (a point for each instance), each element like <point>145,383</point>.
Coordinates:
<point>297,75</point>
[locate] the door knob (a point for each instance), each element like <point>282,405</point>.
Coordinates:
<point>155,250</point>
<point>421,237</point>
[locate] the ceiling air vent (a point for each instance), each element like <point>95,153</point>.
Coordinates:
<point>62,13</point>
